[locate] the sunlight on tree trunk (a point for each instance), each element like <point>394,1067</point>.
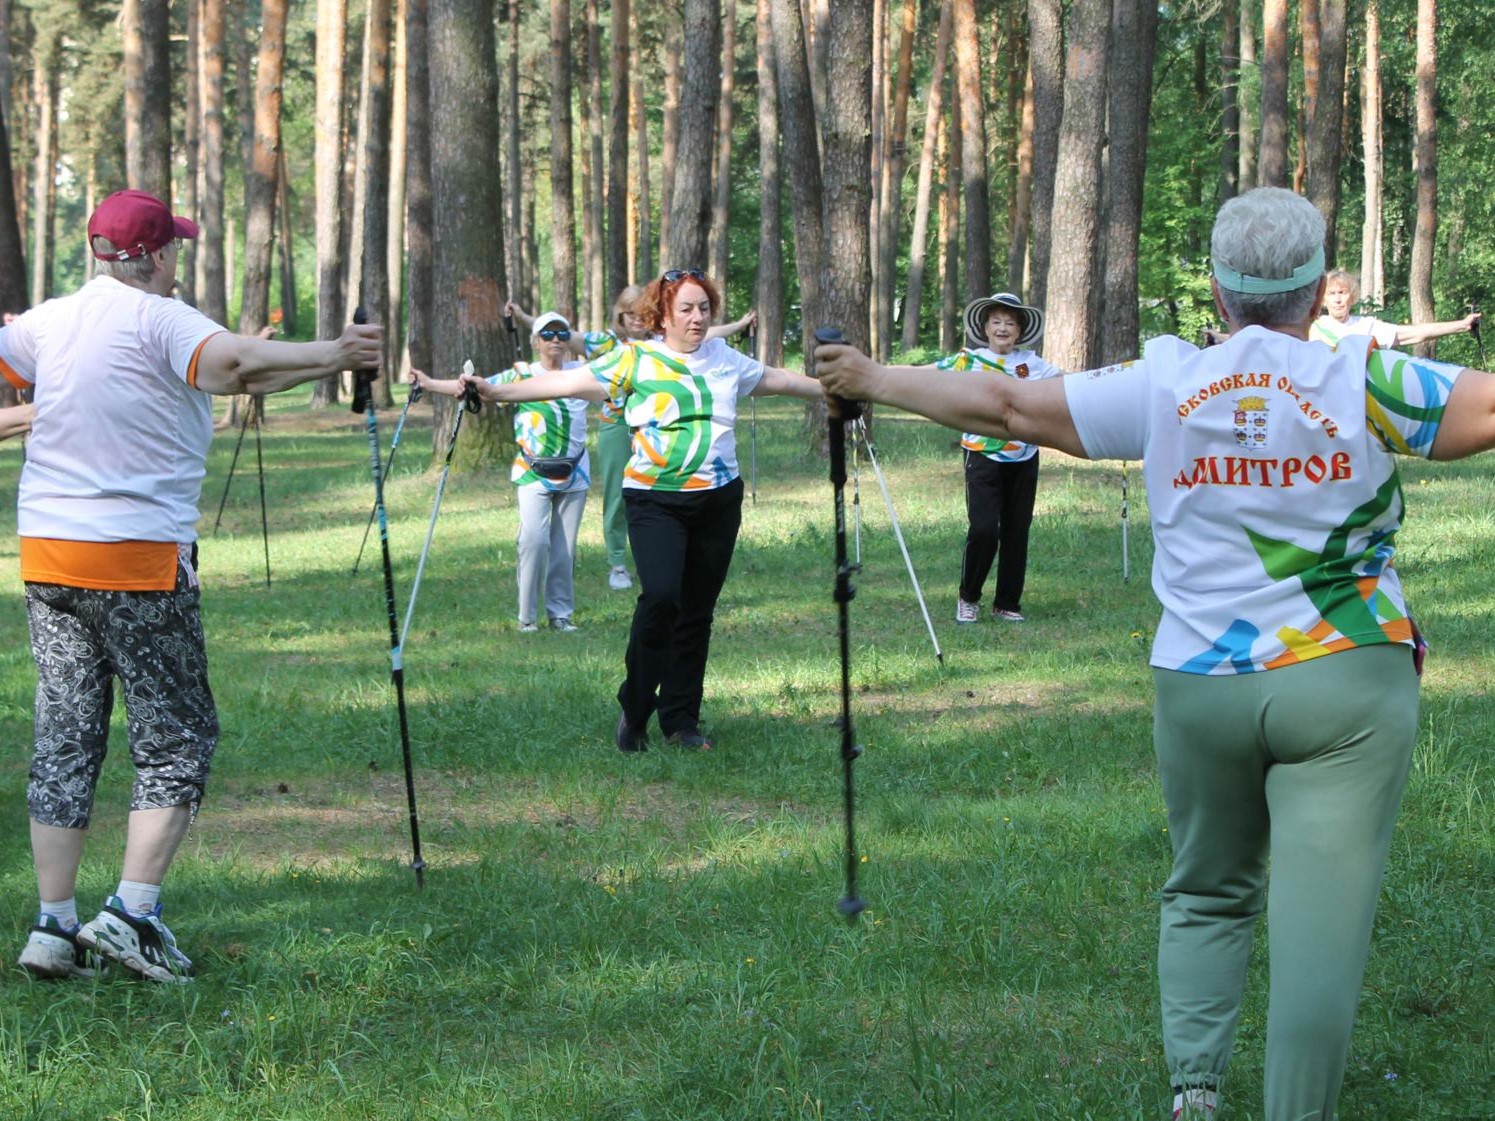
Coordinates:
<point>1425,157</point>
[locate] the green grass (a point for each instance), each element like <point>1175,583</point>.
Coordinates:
<point>655,937</point>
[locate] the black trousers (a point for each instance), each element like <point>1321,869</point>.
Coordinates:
<point>999,507</point>
<point>682,545</point>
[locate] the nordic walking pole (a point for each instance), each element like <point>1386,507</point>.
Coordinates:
<point>394,446</point>
<point>1126,551</point>
<point>363,401</point>
<point>753,420</point>
<point>887,499</point>
<point>469,402</point>
<point>1478,338</point>
<point>234,462</point>
<point>840,412</point>
<point>259,458</point>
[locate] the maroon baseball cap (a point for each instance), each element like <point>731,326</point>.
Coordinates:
<point>136,223</point>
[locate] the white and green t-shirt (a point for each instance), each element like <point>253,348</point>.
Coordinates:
<point>1328,330</point>
<point>594,345</point>
<point>1271,478</point>
<point>547,428</point>
<point>1019,364</point>
<point>682,409</point>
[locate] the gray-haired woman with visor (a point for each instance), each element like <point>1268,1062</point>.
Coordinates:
<point>1285,661</point>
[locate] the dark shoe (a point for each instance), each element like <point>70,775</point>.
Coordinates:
<point>628,738</point>
<point>691,740</point>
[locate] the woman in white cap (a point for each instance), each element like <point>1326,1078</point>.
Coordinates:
<point>551,475</point>
<point>1001,475</point>
<point>1285,663</point>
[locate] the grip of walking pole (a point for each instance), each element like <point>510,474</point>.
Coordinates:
<point>363,380</point>
<point>841,408</point>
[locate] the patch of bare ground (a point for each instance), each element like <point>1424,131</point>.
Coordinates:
<point>322,823</point>
<point>1019,701</point>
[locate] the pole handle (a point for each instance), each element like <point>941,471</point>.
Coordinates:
<point>840,407</point>
<point>363,380</point>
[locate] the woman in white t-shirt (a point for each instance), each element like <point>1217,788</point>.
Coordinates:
<point>1285,661</point>
<point>1342,292</point>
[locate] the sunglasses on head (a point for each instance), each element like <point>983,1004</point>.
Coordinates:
<point>555,333</point>
<point>680,274</point>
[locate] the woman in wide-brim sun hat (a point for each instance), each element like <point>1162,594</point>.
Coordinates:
<point>976,312</point>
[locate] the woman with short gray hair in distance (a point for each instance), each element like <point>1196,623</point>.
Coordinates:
<point>1342,292</point>
<point>1285,663</point>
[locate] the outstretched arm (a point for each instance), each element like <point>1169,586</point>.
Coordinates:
<point>1468,424</point>
<point>448,387</point>
<point>1410,334</point>
<point>577,382</point>
<point>788,383</point>
<point>1035,412</point>
<point>230,363</point>
<point>736,327</point>
<point>16,420</point>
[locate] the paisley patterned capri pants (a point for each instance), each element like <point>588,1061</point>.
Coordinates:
<point>82,639</point>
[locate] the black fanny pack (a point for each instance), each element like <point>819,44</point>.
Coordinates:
<point>556,468</point>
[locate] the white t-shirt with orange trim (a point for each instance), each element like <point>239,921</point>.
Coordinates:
<point>118,448</point>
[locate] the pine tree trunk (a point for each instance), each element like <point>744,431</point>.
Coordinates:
<point>12,248</point>
<point>641,258</point>
<point>331,192</point>
<point>1230,113</point>
<point>1425,163</point>
<point>373,288</point>
<point>595,191</point>
<point>1326,121</point>
<point>467,240</point>
<point>1077,178</point>
<point>421,315</point>
<point>951,332</point>
<point>1022,194</point>
<point>1133,37</point>
<point>212,278</point>
<point>674,70</point>
<point>562,197</point>
<point>877,171</point>
<point>260,179</point>
<point>973,151</point>
<point>1046,58</point>
<point>148,98</point>
<point>286,238</point>
<point>768,294</point>
<point>719,246</point>
<point>1272,164</point>
<point>1372,282</point>
<point>1248,95</point>
<point>690,208</point>
<point>801,151</point>
<point>45,87</point>
<point>394,268</point>
<point>619,92</point>
<point>919,240</point>
<point>509,127</point>
<point>192,151</point>
<point>894,167</point>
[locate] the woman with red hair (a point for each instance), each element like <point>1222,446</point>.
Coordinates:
<point>682,492</point>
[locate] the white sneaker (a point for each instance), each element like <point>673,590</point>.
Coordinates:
<point>563,624</point>
<point>140,943</point>
<point>53,953</point>
<point>528,628</point>
<point>1195,1102</point>
<point>967,612</point>
<point>1008,616</point>
<point>618,579</point>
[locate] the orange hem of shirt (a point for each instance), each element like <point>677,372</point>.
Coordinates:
<point>196,354</point>
<point>110,566</point>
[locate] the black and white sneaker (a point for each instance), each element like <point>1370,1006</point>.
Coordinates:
<point>140,943</point>
<point>53,953</point>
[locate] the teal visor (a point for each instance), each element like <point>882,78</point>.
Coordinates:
<point>1309,271</point>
